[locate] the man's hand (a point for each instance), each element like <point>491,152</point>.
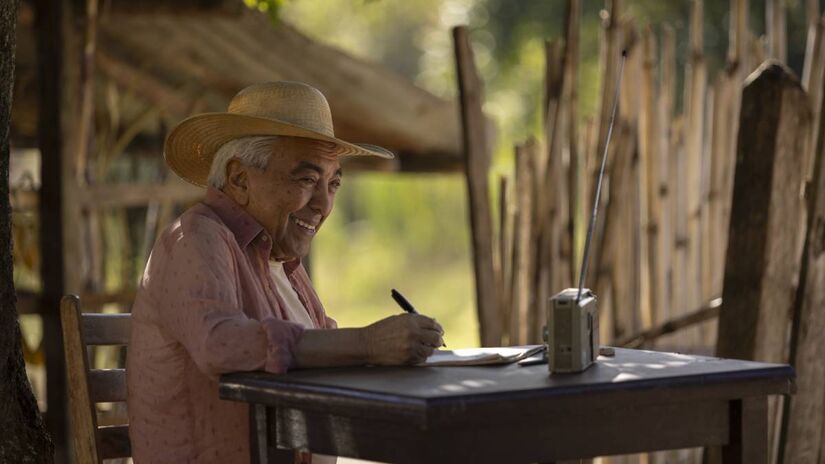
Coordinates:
<point>402,339</point>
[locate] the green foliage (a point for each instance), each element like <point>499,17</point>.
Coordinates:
<point>270,7</point>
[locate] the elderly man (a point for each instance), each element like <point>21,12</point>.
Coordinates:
<point>224,289</point>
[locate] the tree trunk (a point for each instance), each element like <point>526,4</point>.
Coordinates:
<point>23,437</point>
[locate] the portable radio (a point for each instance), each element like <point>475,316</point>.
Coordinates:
<point>572,333</point>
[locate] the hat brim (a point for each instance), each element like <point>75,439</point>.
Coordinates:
<point>192,144</point>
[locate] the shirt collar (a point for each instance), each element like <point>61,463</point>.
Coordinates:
<point>241,223</point>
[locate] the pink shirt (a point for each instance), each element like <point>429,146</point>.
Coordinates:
<point>207,305</point>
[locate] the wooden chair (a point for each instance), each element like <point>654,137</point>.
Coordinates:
<point>93,444</point>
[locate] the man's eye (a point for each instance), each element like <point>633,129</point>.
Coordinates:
<point>335,185</point>
<point>307,181</point>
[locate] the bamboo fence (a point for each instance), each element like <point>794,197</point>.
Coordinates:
<point>659,259</point>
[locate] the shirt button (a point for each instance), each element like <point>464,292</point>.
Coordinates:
<point>265,238</point>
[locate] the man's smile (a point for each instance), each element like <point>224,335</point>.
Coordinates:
<point>304,224</point>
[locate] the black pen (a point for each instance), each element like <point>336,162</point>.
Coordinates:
<point>405,305</point>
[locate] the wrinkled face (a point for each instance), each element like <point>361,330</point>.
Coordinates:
<point>293,196</point>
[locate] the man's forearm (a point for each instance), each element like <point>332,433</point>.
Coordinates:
<point>331,347</point>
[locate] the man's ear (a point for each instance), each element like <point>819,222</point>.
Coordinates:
<point>237,182</point>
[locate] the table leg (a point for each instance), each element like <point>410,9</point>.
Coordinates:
<point>748,432</point>
<point>257,434</point>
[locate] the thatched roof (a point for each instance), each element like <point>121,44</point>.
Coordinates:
<point>188,63</point>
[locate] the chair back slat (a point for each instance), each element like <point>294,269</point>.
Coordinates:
<point>106,329</point>
<point>87,386</point>
<point>114,442</point>
<point>83,415</point>
<point>107,385</point>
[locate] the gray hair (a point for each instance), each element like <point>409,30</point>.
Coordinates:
<point>250,151</point>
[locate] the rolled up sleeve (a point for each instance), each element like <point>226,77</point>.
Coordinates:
<point>201,309</point>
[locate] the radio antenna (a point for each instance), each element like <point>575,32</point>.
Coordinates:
<point>595,213</point>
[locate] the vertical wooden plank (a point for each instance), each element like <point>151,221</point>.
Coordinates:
<point>813,80</point>
<point>621,243</point>
<point>554,216</point>
<point>695,93</point>
<point>477,159</point>
<point>522,277</point>
<point>664,190</point>
<point>775,30</point>
<point>811,12</point>
<point>571,69</point>
<point>610,53</point>
<point>648,182</point>
<point>506,223</point>
<point>720,168</point>
<point>738,34</point>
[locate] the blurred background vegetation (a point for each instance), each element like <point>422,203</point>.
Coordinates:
<point>411,232</point>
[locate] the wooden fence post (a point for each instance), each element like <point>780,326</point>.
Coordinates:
<point>477,162</point>
<point>767,211</point>
<point>764,243</point>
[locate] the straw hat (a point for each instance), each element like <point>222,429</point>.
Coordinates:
<point>275,108</point>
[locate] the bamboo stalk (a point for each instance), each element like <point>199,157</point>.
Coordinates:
<point>571,62</point>
<point>506,220</point>
<point>813,81</point>
<point>477,158</point>
<point>522,277</point>
<point>665,105</point>
<point>645,338</point>
<point>695,90</point>
<point>650,209</point>
<point>609,56</point>
<point>775,28</point>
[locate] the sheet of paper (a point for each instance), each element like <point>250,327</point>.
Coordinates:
<point>481,356</point>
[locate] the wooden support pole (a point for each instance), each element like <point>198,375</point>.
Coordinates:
<point>58,51</point>
<point>477,158</point>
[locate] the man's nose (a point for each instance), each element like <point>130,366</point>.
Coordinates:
<point>322,199</point>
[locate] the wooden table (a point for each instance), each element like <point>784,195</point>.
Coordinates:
<point>636,401</point>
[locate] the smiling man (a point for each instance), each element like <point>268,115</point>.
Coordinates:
<point>224,289</point>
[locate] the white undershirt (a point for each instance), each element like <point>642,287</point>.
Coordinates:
<point>297,313</point>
